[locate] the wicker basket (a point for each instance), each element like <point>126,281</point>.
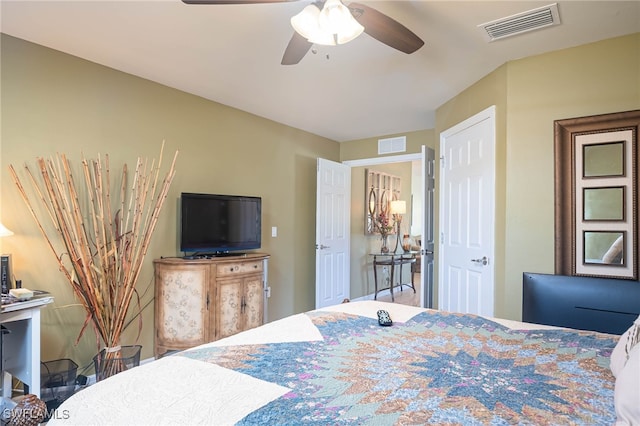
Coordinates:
<point>30,411</point>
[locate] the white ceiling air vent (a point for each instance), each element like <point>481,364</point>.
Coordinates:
<point>530,20</point>
<point>391,145</point>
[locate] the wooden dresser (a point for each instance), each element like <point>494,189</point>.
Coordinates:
<point>202,300</point>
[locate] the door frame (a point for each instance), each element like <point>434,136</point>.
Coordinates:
<point>390,159</point>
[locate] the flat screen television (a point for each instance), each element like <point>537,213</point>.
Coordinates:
<point>214,224</point>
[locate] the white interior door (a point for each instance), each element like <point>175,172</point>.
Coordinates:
<point>428,230</point>
<point>333,202</point>
<point>467,216</point>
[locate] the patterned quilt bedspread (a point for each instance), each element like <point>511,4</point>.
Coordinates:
<point>337,366</point>
<point>437,368</point>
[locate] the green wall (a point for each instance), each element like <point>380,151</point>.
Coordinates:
<point>56,103</point>
<point>597,78</point>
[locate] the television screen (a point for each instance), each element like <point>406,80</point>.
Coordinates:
<point>215,224</point>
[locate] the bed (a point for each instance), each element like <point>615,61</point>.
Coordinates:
<point>607,305</point>
<point>338,366</point>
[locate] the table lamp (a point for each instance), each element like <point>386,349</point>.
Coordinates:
<point>5,263</point>
<point>4,232</point>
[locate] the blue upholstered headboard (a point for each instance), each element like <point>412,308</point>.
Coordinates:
<point>606,305</point>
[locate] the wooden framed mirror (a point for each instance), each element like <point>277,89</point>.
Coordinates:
<point>596,195</point>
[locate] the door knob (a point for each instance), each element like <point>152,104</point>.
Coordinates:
<point>321,247</point>
<point>484,260</point>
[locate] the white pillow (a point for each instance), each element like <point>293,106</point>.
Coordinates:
<point>627,390</point>
<point>619,353</point>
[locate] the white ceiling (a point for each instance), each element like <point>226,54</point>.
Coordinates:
<point>231,54</point>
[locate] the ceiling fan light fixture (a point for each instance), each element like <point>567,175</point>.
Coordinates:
<point>324,39</point>
<point>336,18</point>
<point>306,24</point>
<point>333,24</point>
<point>350,33</point>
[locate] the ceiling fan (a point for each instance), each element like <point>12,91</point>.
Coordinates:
<point>365,19</point>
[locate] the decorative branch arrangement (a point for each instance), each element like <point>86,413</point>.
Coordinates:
<point>383,223</point>
<point>105,234</point>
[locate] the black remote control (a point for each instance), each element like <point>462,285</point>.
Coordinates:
<point>383,318</point>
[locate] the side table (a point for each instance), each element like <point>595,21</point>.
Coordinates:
<point>392,260</point>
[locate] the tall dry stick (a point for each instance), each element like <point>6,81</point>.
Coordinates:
<point>104,241</point>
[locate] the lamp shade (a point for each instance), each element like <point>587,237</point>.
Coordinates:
<point>306,23</point>
<point>322,38</point>
<point>336,19</point>
<point>333,24</point>
<point>4,232</point>
<point>398,207</point>
<point>350,33</point>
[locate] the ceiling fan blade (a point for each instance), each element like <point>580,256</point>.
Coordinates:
<point>296,49</point>
<point>234,1</point>
<point>385,29</point>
